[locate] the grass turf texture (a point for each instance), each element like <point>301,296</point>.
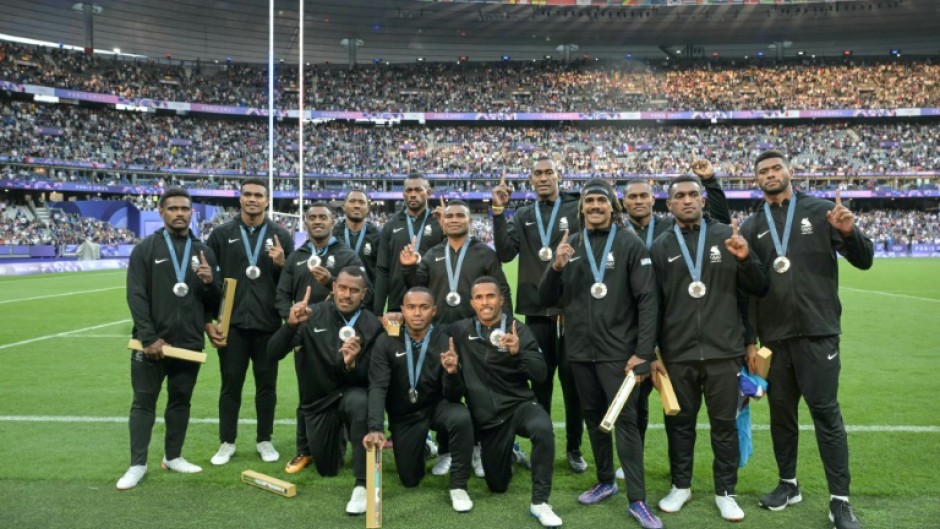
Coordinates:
<point>61,473</point>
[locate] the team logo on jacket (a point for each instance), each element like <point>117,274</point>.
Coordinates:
<point>563,224</point>
<point>806,227</point>
<point>330,262</point>
<point>367,249</point>
<point>610,260</point>
<point>427,231</point>
<point>714,255</point>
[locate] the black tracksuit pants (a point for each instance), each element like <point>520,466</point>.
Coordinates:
<point>597,384</point>
<point>147,380</point>
<point>529,420</point>
<point>808,368</point>
<point>325,430</point>
<point>717,380</point>
<point>545,330</point>
<point>246,346</point>
<point>410,437</point>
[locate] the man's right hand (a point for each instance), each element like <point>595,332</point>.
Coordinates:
<point>408,255</point>
<point>563,254</point>
<point>216,337</point>
<point>154,351</point>
<point>300,311</point>
<point>501,193</point>
<point>751,353</point>
<point>376,439</point>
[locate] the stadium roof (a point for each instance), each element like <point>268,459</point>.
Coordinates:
<point>402,31</point>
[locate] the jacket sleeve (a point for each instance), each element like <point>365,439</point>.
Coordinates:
<point>212,293</point>
<point>530,359</point>
<point>550,287</point>
<point>717,202</point>
<point>284,294</point>
<point>856,248</point>
<point>659,273</point>
<point>359,375</point>
<point>752,276</point>
<point>138,294</point>
<point>506,237</point>
<point>643,285</point>
<point>284,341</point>
<point>381,274</point>
<point>417,275</point>
<point>379,375</point>
<point>453,385</point>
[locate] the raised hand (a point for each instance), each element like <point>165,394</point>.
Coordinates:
<point>449,359</point>
<point>322,275</point>
<point>408,255</point>
<point>563,253</point>
<point>350,351</point>
<point>204,271</point>
<point>510,341</point>
<point>300,311</point>
<point>439,210</point>
<point>501,193</point>
<point>736,244</point>
<point>840,217</point>
<point>703,169</point>
<point>276,253</point>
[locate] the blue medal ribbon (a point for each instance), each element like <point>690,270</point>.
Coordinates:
<point>454,275</point>
<point>781,247</point>
<point>599,272</point>
<point>545,232</point>
<point>414,371</point>
<point>253,257</point>
<point>479,325</point>
<point>321,251</point>
<point>651,227</point>
<point>695,269</point>
<point>411,228</point>
<point>362,237</point>
<point>178,266</point>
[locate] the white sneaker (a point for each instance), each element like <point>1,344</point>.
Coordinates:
<point>181,465</point>
<point>430,448</point>
<point>619,473</point>
<point>442,467</point>
<point>460,500</point>
<point>132,477</point>
<point>357,502</point>
<point>226,451</point>
<point>267,452</point>
<point>545,515</point>
<point>676,498</point>
<point>729,508</point>
<point>476,461</point>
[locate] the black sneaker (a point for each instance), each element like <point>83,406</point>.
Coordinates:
<point>841,515</point>
<point>576,461</point>
<point>785,494</point>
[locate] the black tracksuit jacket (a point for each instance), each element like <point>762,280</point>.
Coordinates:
<point>389,283</point>
<point>296,277</point>
<point>368,252</point>
<point>716,204</point>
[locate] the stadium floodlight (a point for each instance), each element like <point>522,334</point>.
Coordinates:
<point>505,58</point>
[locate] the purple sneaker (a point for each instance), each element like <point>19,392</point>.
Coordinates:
<point>598,493</point>
<point>642,513</point>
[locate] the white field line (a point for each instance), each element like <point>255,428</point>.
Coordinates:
<point>77,419</point>
<point>59,295</point>
<point>68,275</point>
<point>889,294</point>
<point>61,334</point>
<point>126,336</point>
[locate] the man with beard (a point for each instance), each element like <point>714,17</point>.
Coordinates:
<point>701,337</point>
<point>603,280</point>
<point>414,377</point>
<point>531,234</point>
<point>168,304</point>
<point>335,339</point>
<point>238,245</point>
<point>499,357</point>
<point>312,266</point>
<point>415,226</point>
<point>357,233</point>
<point>799,320</point>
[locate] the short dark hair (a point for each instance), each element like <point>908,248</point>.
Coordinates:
<point>482,280</point>
<point>174,192</point>
<point>320,204</point>
<point>351,191</point>
<point>415,175</point>
<point>681,179</point>
<point>458,203</point>
<point>768,154</point>
<point>419,290</point>
<point>636,181</point>
<point>255,182</point>
<point>353,271</point>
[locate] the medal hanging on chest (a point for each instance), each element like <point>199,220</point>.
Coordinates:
<point>180,288</point>
<point>253,271</point>
<point>599,289</point>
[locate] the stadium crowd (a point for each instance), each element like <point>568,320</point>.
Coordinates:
<point>18,228</point>
<point>519,86</point>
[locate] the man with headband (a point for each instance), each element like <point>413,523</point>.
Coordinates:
<point>798,237</point>
<point>603,280</point>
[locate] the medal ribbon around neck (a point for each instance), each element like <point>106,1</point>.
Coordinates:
<point>411,228</point>
<point>414,371</point>
<point>454,275</point>
<point>253,257</point>
<point>321,251</point>
<point>695,269</point>
<point>479,325</point>
<point>545,232</point>
<point>651,228</point>
<point>178,266</point>
<point>362,237</point>
<point>781,246</point>
<point>599,272</point>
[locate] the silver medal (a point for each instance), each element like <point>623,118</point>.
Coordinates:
<point>346,333</point>
<point>253,272</point>
<point>313,262</point>
<point>453,299</point>
<point>598,290</point>
<point>781,265</point>
<point>413,395</point>
<point>496,336</point>
<point>697,289</point>
<point>181,289</point>
<point>545,253</point>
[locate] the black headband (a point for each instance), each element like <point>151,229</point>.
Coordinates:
<point>597,190</point>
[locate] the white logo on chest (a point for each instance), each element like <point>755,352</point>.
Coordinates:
<point>806,227</point>
<point>714,255</point>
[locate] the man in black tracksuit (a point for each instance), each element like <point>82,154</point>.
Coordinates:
<point>701,268</point>
<point>358,233</point>
<point>333,373</point>
<point>400,230</point>
<point>252,250</point>
<point>431,401</point>
<point>638,200</point>
<point>799,320</point>
<point>496,380</point>
<point>170,290</point>
<point>297,275</point>
<point>606,287</point>
<point>532,228</point>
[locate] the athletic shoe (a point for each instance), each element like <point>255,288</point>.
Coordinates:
<point>298,463</point>
<point>619,473</point>
<point>181,465</point>
<point>357,502</point>
<point>642,513</point>
<point>430,447</point>
<point>598,493</point>
<point>785,494</point>
<point>675,499</point>
<point>267,452</point>
<point>729,508</point>
<point>460,500</point>
<point>442,467</point>
<point>545,515</point>
<point>576,462</point>
<point>519,456</point>
<point>132,477</point>
<point>476,461</point>
<point>225,453</point>
<point>841,515</point>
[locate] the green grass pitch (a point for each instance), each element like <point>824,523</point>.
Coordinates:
<point>65,394</point>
